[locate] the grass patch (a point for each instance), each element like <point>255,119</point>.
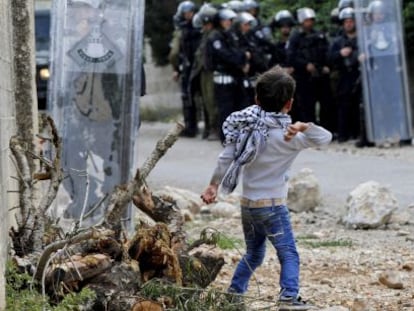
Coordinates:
<point>160,113</point>
<point>20,296</point>
<point>225,242</point>
<point>327,243</point>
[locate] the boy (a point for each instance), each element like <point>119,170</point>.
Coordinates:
<point>262,140</point>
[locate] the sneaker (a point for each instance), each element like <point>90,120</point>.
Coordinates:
<point>292,303</point>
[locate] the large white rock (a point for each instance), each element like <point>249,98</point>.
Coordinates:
<point>304,192</point>
<point>369,206</point>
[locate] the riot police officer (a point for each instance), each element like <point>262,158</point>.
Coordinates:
<point>188,38</point>
<point>229,65</point>
<point>245,40</point>
<point>261,33</point>
<point>284,22</point>
<point>202,77</point>
<point>307,51</point>
<point>344,58</point>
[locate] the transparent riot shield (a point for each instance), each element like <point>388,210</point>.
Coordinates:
<point>94,94</point>
<point>383,71</point>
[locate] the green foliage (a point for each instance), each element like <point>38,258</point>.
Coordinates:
<point>408,15</point>
<point>189,299</point>
<point>225,242</point>
<point>20,297</point>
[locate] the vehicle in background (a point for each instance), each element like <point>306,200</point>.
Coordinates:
<point>42,40</point>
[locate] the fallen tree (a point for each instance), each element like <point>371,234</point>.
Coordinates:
<point>102,258</point>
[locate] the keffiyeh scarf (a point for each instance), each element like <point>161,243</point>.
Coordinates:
<point>249,129</point>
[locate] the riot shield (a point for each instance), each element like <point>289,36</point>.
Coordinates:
<point>383,71</point>
<point>94,90</point>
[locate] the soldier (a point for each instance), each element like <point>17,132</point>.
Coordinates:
<point>284,22</point>
<point>307,51</point>
<point>204,76</point>
<point>344,57</point>
<point>186,38</point>
<point>229,65</point>
<point>262,33</point>
<point>245,40</point>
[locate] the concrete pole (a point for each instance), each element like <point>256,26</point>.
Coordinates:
<point>7,129</point>
<point>25,71</point>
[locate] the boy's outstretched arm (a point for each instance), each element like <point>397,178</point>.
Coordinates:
<point>224,160</point>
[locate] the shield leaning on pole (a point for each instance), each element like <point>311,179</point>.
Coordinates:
<point>95,85</point>
<point>383,71</point>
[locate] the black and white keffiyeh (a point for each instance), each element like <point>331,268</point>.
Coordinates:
<point>249,129</point>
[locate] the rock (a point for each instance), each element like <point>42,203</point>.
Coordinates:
<point>369,206</point>
<point>335,308</point>
<point>224,209</point>
<point>402,217</point>
<point>327,282</point>
<point>360,305</point>
<point>408,266</point>
<point>403,233</point>
<point>304,192</point>
<point>391,279</point>
<point>187,215</point>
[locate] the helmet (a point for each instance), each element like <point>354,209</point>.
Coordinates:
<point>376,6</point>
<point>197,21</point>
<point>207,13</point>
<point>250,4</point>
<point>284,17</point>
<point>305,13</point>
<point>346,13</point>
<point>246,18</point>
<point>185,6</point>
<point>345,4</point>
<point>335,16</point>
<point>225,14</point>
<point>236,6</point>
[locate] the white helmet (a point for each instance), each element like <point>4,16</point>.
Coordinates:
<point>225,14</point>
<point>246,18</point>
<point>305,13</point>
<point>347,13</point>
<point>236,5</point>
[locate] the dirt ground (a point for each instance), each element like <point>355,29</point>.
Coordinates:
<point>340,268</point>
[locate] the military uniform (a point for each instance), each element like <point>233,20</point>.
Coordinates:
<point>202,79</point>
<point>348,87</point>
<point>185,42</point>
<point>304,48</point>
<point>226,62</point>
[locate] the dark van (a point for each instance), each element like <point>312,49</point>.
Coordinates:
<point>42,39</point>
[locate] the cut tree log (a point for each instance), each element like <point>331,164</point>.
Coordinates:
<point>75,270</point>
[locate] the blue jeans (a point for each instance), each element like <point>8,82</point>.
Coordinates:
<point>271,223</point>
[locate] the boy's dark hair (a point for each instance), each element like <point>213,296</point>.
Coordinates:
<point>274,88</point>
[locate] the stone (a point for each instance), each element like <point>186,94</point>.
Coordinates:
<point>369,206</point>
<point>224,209</point>
<point>304,192</point>
<point>391,279</point>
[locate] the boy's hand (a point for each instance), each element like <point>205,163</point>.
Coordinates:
<point>209,195</point>
<point>295,128</point>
